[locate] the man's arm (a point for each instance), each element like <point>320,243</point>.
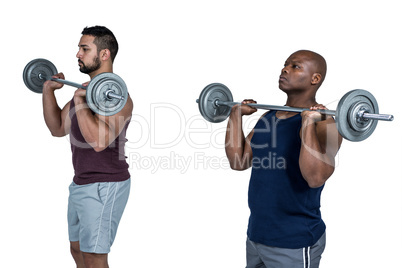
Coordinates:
<point>320,144</point>
<point>238,149</point>
<point>100,131</point>
<point>56,119</point>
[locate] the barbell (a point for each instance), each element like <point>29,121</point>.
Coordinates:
<point>356,115</point>
<point>106,92</point>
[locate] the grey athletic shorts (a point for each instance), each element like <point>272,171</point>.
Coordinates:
<point>261,256</point>
<point>94,213</point>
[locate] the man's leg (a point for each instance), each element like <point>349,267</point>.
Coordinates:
<point>253,258</point>
<point>317,250</point>
<point>93,260</point>
<point>73,231</point>
<point>77,254</point>
<point>308,257</point>
<point>95,211</point>
<point>87,260</point>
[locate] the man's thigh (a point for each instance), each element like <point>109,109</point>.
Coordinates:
<point>94,214</point>
<point>259,255</point>
<point>252,256</point>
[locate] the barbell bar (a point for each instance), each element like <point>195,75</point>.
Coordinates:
<point>106,92</point>
<point>356,115</point>
<point>109,94</point>
<point>362,114</point>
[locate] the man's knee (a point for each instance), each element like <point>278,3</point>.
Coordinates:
<point>93,260</point>
<point>77,254</point>
<point>75,248</point>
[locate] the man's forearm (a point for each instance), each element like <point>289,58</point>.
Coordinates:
<point>235,140</point>
<point>52,113</point>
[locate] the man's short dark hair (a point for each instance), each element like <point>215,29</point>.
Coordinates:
<point>104,39</point>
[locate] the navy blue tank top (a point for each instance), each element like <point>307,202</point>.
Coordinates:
<point>90,166</point>
<point>285,211</point>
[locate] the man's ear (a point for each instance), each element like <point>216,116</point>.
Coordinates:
<point>104,54</point>
<point>316,78</point>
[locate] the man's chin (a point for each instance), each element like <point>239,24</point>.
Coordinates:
<point>84,71</point>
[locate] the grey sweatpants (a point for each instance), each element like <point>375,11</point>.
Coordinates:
<point>261,256</point>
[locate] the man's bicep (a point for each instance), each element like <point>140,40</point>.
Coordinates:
<point>117,122</point>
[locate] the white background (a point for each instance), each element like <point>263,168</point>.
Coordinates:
<point>169,51</point>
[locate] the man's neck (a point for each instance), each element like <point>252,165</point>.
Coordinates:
<point>301,100</point>
<point>106,68</point>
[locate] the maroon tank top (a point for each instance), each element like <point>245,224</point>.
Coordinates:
<point>90,166</point>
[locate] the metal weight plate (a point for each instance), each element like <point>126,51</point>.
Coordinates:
<point>97,89</point>
<point>206,102</point>
<point>348,122</point>
<point>36,72</point>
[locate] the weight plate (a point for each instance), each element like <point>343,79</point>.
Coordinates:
<point>206,103</point>
<point>348,122</point>
<point>97,89</point>
<point>36,72</point>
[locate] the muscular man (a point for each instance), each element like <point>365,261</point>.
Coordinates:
<point>292,155</point>
<point>101,185</point>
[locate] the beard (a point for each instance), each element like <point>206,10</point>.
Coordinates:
<point>87,69</point>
